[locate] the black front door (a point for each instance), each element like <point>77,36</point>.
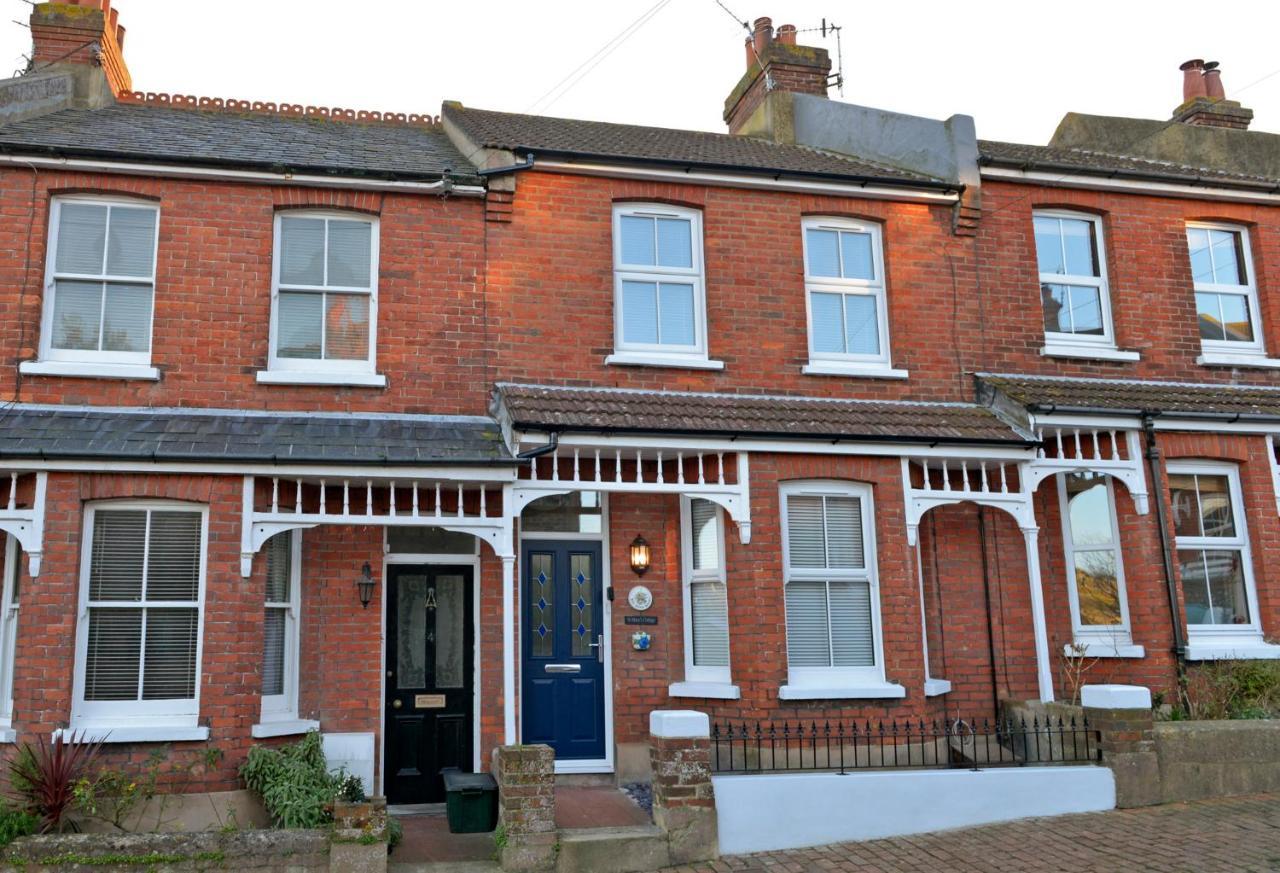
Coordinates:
<point>430,652</point>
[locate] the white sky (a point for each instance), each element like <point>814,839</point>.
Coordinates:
<point>1015,66</point>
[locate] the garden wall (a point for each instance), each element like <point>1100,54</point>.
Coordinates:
<point>1200,759</point>
<point>267,851</point>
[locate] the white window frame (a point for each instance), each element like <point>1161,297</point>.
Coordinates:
<point>1097,640</point>
<point>113,719</point>
<point>1223,634</point>
<point>73,361</point>
<point>321,371</point>
<point>701,681</point>
<point>659,354</point>
<point>843,363</point>
<point>1074,344</point>
<point>284,706</point>
<point>1222,351</point>
<point>836,682</point>
<point>10,566</point>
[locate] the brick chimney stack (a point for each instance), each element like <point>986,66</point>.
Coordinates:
<point>80,33</point>
<point>1204,102</point>
<point>775,64</point>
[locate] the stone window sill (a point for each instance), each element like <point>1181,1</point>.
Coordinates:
<point>717,690</point>
<point>879,690</point>
<point>936,687</point>
<point>1260,362</point>
<point>302,377</point>
<point>8,735</point>
<point>283,727</point>
<point>859,371</point>
<point>86,370</point>
<point>1249,650</point>
<point>637,359</point>
<point>134,733</point>
<point>1103,649</point>
<point>1083,350</point>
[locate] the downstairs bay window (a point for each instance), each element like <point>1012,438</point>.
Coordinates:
<point>282,608</point>
<point>1219,595</point>
<point>138,639</point>
<point>832,593</point>
<point>706,603</point>
<point>1095,568</point>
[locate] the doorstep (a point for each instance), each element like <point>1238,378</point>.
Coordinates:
<point>584,807</point>
<point>427,845</point>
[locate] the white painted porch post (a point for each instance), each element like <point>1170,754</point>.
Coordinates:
<point>509,647</point>
<point>1031,535</point>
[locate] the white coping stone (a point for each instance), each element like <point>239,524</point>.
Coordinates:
<point>1116,697</point>
<point>679,724</point>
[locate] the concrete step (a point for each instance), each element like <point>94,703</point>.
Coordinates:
<point>444,867</point>
<point>612,850</point>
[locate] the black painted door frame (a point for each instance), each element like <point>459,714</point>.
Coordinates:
<point>426,727</point>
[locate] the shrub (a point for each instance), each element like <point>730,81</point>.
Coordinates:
<point>395,832</point>
<point>294,782</point>
<point>44,777</point>
<point>16,823</point>
<point>350,788</point>
<point>1234,689</point>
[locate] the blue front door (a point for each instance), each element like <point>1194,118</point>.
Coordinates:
<point>563,648</point>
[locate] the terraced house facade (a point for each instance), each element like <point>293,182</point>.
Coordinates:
<point>438,433</point>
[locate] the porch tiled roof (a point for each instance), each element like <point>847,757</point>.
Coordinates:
<point>1044,393</point>
<point>632,142</point>
<point>626,410</point>
<point>52,432</point>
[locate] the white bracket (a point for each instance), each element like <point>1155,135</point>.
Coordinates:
<point>27,525</point>
<point>1127,470</point>
<point>921,500</point>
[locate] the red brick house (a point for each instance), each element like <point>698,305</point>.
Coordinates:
<point>435,434</point>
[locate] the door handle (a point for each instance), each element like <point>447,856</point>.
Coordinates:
<point>395,704</point>
<point>563,668</point>
<point>598,645</point>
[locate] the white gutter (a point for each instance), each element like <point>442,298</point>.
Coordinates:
<point>249,176</point>
<point>729,180</point>
<point>1134,186</point>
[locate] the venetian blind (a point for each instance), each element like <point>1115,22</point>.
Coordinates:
<point>275,619</point>
<point>710,608</point>
<point>144,616</point>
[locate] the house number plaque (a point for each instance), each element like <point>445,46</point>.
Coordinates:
<point>428,701</point>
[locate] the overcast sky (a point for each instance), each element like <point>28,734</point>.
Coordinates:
<point>1015,66</point>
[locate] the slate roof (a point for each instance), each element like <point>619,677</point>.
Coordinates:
<point>681,148</point>
<point>290,438</point>
<point>618,410</point>
<point>1043,394</point>
<point>256,140</point>
<point>1034,157</point>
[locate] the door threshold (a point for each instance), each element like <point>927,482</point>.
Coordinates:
<point>415,809</point>
<point>598,766</point>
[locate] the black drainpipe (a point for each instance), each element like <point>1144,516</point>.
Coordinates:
<point>986,591</point>
<point>1166,547</point>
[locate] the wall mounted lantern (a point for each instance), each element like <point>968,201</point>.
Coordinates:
<point>640,555</point>
<point>364,585</point>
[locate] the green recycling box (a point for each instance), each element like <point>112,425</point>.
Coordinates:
<point>471,800</point>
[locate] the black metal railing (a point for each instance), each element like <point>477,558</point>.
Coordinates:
<point>748,747</point>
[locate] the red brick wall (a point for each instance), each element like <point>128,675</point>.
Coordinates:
<point>213,297</point>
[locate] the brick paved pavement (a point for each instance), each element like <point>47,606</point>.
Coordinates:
<point>1210,836</point>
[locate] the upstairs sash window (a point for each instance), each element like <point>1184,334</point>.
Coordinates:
<point>658,282</point>
<point>1073,280</point>
<point>844,283</point>
<point>100,286</point>
<point>1226,296</point>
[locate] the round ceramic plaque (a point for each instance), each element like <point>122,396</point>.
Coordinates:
<point>640,598</point>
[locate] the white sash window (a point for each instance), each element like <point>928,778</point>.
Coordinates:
<point>281,613</point>
<point>831,588</point>
<point>845,297</point>
<point>10,567</point>
<point>141,607</point>
<point>100,285</point>
<point>1226,295</point>
<point>1075,298</point>
<point>706,603</point>
<point>324,300</point>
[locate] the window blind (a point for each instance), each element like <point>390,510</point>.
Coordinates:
<point>275,619</point>
<point>144,613</point>
<point>705,534</point>
<point>808,634</point>
<point>710,613</point>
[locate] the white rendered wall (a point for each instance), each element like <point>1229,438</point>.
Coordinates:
<point>763,812</point>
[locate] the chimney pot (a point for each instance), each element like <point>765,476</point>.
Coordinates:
<point>763,35</point>
<point>1193,84</point>
<point>1213,81</point>
<point>787,34</point>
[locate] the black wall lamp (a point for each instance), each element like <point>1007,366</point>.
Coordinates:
<point>364,585</point>
<point>640,555</point>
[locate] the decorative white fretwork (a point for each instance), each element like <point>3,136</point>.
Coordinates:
<point>720,477</point>
<point>476,508</point>
<point>984,481</point>
<point>22,513</point>
<point>1096,450</point>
